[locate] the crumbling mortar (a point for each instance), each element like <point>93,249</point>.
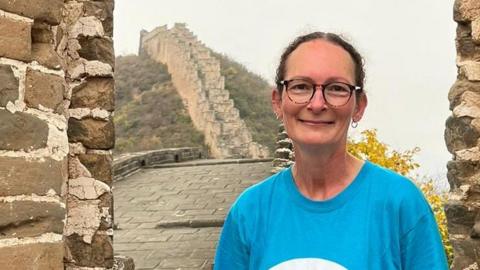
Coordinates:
<point>42,239</point>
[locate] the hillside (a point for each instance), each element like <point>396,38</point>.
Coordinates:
<point>150,114</point>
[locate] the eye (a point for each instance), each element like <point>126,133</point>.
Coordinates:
<point>300,86</point>
<point>338,89</point>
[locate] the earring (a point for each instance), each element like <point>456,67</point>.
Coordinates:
<point>354,124</point>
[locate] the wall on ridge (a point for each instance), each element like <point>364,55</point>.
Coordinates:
<point>196,76</point>
<point>56,134</point>
<point>462,136</point>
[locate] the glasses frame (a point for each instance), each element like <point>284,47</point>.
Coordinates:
<point>352,88</point>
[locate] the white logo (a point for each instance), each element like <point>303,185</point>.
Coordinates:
<point>308,264</point>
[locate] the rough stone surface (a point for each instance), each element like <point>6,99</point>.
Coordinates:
<point>97,254</point>
<point>46,55</point>
<point>9,86</point>
<point>466,10</point>
<point>97,48</point>
<point>87,188</point>
<point>460,134</point>
<point>21,131</point>
<point>476,30</point>
<point>94,92</point>
<point>99,165</point>
<point>471,70</point>
<point>466,47</point>
<point>123,263</point>
<point>30,218</point>
<point>44,89</point>
<point>43,10</point>
<point>460,87</point>
<point>92,133</point>
<point>102,10</point>
<point>15,39</point>
<point>41,178</point>
<point>32,256</point>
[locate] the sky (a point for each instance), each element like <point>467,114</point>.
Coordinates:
<point>409,52</point>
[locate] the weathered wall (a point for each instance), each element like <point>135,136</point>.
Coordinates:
<point>462,139</point>
<point>56,104</point>
<point>196,75</point>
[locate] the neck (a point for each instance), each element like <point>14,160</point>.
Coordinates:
<point>321,174</point>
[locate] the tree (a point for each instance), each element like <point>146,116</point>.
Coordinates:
<point>369,147</point>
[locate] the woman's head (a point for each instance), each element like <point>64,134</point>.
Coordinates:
<point>330,37</point>
<point>331,71</point>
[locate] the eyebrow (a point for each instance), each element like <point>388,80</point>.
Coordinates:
<point>328,80</point>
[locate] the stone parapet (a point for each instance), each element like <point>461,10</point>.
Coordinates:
<point>128,164</point>
<point>196,76</point>
<point>462,136</point>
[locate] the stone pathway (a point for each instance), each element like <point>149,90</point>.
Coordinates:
<point>170,218</point>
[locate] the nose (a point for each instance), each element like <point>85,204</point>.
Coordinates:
<point>317,102</point>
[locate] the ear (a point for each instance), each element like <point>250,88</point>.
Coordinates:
<point>362,103</point>
<point>277,103</point>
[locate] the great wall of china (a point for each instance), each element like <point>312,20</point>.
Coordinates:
<point>56,136</point>
<point>196,76</point>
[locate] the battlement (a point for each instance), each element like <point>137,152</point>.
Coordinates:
<point>196,76</point>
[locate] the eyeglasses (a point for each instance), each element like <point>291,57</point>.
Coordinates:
<point>335,94</point>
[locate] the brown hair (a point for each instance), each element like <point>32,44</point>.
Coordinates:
<point>331,37</point>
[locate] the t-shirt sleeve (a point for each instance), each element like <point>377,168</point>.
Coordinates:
<point>422,248</point>
<point>232,250</point>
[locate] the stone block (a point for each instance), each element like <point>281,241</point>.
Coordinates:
<point>469,105</point>
<point>21,131</point>
<point>94,92</point>
<point>43,10</point>
<point>44,89</point>
<point>97,254</point>
<point>459,171</point>
<point>460,134</point>
<point>102,10</point>
<point>461,217</point>
<point>471,70</point>
<point>15,38</point>
<point>460,87</point>
<point>466,48</point>
<point>106,204</point>
<point>466,253</point>
<point>97,48</point>
<point>30,218</point>
<point>45,54</point>
<point>33,256</point>
<point>20,176</point>
<point>476,30</point>
<point>100,166</point>
<point>123,263</point>
<point>9,85</point>
<point>42,33</point>
<point>466,10</point>
<point>92,133</point>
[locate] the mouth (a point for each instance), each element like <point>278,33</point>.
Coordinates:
<point>316,122</point>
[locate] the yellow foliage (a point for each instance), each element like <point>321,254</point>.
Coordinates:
<point>370,148</point>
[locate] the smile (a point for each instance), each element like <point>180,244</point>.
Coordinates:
<point>316,122</point>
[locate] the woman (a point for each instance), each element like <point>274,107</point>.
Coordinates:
<point>330,210</point>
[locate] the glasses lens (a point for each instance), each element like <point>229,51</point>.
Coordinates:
<point>337,94</point>
<point>300,91</point>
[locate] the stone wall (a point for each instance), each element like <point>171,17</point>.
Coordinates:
<point>462,138</point>
<point>196,76</point>
<point>56,136</point>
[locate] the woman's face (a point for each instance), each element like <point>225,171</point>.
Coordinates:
<point>317,123</point>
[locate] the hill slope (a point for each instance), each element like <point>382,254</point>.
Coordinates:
<point>150,114</point>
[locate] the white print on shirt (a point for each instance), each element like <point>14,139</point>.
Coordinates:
<point>308,264</point>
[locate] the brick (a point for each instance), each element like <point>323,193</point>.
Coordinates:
<point>94,92</point>
<point>44,89</point>
<point>100,166</point>
<point>45,54</point>
<point>29,218</point>
<point>97,48</point>
<point>9,85</point>
<point>466,10</point>
<point>97,254</point>
<point>92,133</point>
<point>21,131</point>
<point>39,178</point>
<point>15,38</point>
<point>43,10</point>
<point>33,256</point>
<point>102,10</point>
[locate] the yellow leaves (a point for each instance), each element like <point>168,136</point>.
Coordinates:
<point>370,148</point>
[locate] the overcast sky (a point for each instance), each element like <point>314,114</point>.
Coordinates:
<point>409,52</point>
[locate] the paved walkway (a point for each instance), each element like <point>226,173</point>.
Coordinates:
<point>170,218</point>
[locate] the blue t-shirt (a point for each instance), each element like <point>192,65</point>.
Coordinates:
<point>380,221</point>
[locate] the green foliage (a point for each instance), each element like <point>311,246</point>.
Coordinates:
<point>251,94</point>
<point>369,147</point>
<point>149,112</point>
